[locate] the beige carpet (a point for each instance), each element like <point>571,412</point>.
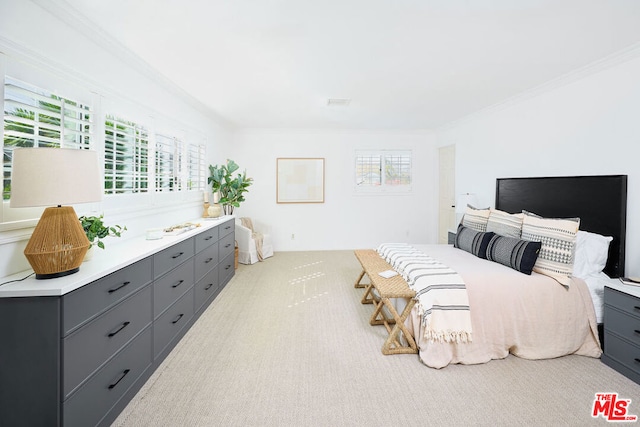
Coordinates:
<point>287,343</point>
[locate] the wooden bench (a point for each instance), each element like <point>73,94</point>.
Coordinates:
<point>386,289</point>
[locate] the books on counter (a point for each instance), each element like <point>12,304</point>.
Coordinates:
<point>633,281</point>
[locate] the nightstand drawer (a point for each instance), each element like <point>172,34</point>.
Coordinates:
<point>622,301</point>
<point>89,347</point>
<point>172,257</point>
<point>622,324</point>
<point>94,298</point>
<point>623,352</point>
<point>172,286</point>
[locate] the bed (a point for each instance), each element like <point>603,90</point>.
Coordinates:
<point>533,316</point>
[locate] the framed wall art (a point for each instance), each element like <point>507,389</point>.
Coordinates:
<point>300,180</point>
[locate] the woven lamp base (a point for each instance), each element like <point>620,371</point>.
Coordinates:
<point>58,244</point>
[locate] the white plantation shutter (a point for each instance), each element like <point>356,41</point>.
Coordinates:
<point>168,159</point>
<point>34,117</point>
<point>196,168</point>
<point>381,171</point>
<point>126,157</point>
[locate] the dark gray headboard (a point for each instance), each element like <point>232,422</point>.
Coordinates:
<point>600,201</point>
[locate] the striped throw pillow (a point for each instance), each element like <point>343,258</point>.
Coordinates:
<point>472,241</point>
<point>476,219</point>
<point>505,224</point>
<point>521,255</point>
<point>558,238</point>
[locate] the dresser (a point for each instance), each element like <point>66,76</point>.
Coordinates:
<point>75,350</point>
<point>622,329</point>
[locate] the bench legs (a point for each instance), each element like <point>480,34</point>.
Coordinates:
<point>392,344</point>
<point>367,298</point>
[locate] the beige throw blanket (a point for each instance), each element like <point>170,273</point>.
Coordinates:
<point>257,237</point>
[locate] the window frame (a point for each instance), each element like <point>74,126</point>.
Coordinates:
<point>384,186</point>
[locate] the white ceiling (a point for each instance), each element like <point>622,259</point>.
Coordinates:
<point>405,64</point>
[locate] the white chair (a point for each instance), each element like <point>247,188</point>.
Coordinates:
<point>247,252</point>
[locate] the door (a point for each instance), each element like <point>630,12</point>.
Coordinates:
<point>446,192</point>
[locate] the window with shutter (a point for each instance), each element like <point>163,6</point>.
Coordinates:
<point>383,171</point>
<point>126,156</point>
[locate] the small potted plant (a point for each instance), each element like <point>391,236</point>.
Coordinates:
<point>96,230</point>
<point>230,190</point>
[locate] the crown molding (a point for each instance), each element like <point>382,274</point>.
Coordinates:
<point>624,55</point>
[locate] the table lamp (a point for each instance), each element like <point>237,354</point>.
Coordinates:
<point>55,177</point>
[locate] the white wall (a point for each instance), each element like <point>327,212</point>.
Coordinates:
<point>40,49</point>
<point>588,126</point>
<point>345,220</point>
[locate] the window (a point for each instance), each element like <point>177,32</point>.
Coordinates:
<point>383,171</point>
<point>196,168</point>
<point>126,157</point>
<point>168,160</point>
<point>34,117</point>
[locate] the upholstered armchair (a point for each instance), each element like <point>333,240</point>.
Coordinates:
<point>247,247</point>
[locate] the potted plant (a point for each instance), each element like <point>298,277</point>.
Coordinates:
<point>96,230</point>
<point>230,190</point>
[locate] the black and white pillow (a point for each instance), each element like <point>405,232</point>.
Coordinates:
<point>472,241</point>
<point>476,219</point>
<point>521,255</point>
<point>505,224</point>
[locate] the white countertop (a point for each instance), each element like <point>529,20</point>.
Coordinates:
<point>103,262</point>
<point>627,289</point>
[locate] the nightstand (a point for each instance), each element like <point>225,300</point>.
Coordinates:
<point>451,237</point>
<point>622,329</point>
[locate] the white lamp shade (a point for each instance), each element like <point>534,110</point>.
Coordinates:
<point>465,199</point>
<point>54,176</point>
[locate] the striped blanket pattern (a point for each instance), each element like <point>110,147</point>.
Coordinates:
<point>440,291</point>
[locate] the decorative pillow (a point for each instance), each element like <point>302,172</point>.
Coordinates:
<point>558,237</point>
<point>518,254</point>
<point>472,241</point>
<point>592,252</point>
<point>505,224</point>
<point>476,219</point>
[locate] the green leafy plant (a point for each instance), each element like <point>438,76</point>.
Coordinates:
<point>230,190</point>
<point>96,230</point>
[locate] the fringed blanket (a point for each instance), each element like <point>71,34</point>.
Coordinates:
<point>257,237</point>
<point>440,291</point>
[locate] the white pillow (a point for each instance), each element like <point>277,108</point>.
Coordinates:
<point>592,252</point>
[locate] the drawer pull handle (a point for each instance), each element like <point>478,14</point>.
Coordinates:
<point>637,360</point>
<point>119,287</point>
<point>636,331</point>
<point>227,267</point>
<point>636,307</point>
<point>227,245</point>
<point>178,255</point>
<point>208,238</point>
<point>208,286</point>
<point>227,227</point>
<point>178,318</point>
<point>180,282</point>
<point>113,334</point>
<point>124,374</point>
<point>208,260</point>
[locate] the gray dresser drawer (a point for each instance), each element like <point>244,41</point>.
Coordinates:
<point>226,228</point>
<point>172,257</point>
<point>226,268</point>
<point>624,302</point>
<point>167,326</point>
<point>89,347</point>
<point>206,288</point>
<point>89,301</point>
<point>226,245</point>
<point>621,324</point>
<point>206,238</point>
<point>95,398</point>
<point>623,352</point>
<point>206,260</point>
<point>172,286</point>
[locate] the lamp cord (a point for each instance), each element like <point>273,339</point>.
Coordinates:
<point>18,280</point>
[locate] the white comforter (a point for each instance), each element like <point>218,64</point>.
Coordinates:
<point>533,317</point>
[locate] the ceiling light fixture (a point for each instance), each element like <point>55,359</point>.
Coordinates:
<point>338,102</point>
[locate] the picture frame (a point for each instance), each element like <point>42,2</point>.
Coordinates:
<point>299,180</point>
